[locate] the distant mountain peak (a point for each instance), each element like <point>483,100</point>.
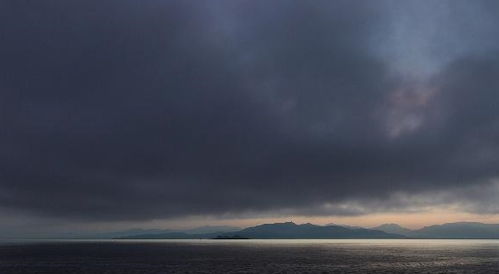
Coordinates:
<point>342,225</point>
<point>457,230</point>
<point>290,230</point>
<point>393,228</point>
<point>392,225</point>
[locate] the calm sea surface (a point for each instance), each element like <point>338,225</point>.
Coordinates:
<point>251,256</point>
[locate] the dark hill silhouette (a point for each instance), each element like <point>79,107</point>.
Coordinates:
<point>287,230</point>
<point>470,230</point>
<point>459,230</point>
<point>393,228</point>
<point>290,230</point>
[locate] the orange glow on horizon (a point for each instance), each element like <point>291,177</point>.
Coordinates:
<point>409,220</point>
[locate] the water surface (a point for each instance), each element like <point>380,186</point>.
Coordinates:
<point>250,256</point>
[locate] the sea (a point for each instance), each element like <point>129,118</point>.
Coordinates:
<point>249,256</point>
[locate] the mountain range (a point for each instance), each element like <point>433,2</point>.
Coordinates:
<point>393,228</point>
<point>287,230</point>
<point>146,233</point>
<point>460,230</point>
<point>290,230</point>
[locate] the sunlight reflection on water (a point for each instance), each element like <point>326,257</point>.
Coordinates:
<point>250,256</point>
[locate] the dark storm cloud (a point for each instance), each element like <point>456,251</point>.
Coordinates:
<point>152,109</point>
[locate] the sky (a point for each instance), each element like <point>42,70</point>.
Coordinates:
<point>156,113</point>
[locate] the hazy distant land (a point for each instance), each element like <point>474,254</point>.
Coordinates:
<point>290,230</point>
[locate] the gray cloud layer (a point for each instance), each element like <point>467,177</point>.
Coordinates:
<point>152,109</point>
